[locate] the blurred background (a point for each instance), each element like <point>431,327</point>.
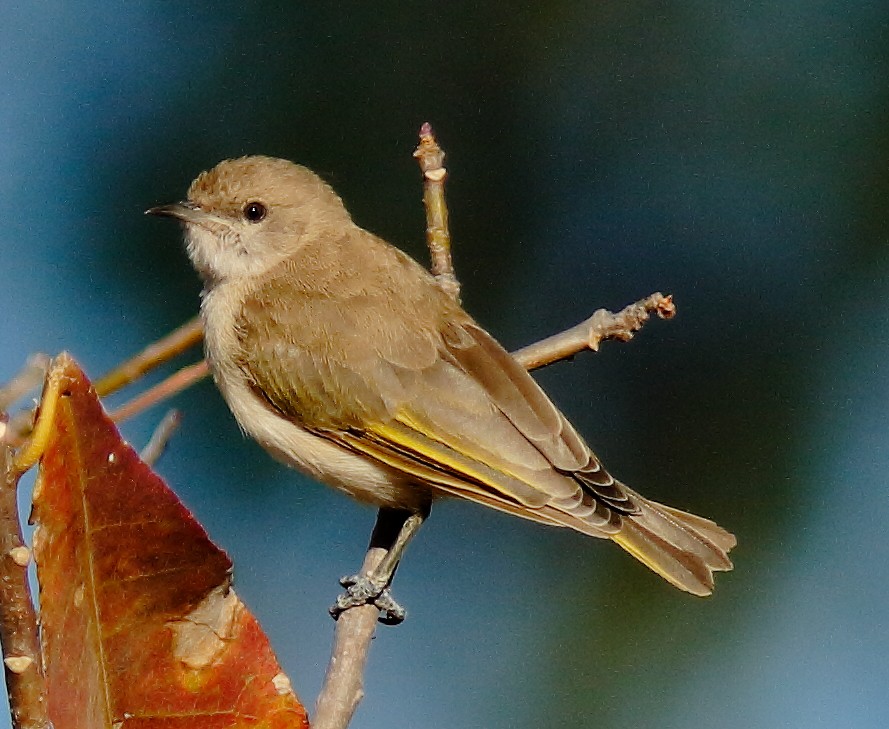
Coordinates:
<point>733,154</point>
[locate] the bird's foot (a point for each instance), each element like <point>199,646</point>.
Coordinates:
<point>363,590</point>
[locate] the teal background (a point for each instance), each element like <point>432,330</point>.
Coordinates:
<point>733,154</point>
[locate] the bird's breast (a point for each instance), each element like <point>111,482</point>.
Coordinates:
<point>286,440</point>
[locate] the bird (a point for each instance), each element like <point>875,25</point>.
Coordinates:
<point>345,359</point>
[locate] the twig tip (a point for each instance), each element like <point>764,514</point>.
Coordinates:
<point>666,308</point>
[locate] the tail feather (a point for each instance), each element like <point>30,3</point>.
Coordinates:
<point>682,548</point>
<point>722,538</point>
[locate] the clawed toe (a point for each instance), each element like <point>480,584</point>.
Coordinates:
<point>392,612</point>
<point>361,590</point>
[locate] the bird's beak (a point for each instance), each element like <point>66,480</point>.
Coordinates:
<point>185,211</point>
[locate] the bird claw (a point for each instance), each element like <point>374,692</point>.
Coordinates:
<point>361,590</point>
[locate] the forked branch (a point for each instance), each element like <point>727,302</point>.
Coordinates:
<point>343,685</point>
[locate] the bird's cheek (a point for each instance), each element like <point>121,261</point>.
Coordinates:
<point>206,249</point>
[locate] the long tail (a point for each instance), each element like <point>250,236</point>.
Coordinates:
<point>682,548</point>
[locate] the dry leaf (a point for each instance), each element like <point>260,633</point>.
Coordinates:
<point>140,628</point>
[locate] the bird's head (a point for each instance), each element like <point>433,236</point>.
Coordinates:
<point>246,215</point>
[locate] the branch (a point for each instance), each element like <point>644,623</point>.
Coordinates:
<point>591,333</point>
<point>343,690</point>
<point>19,636</point>
<point>157,444</point>
<point>29,378</point>
<point>175,383</point>
<point>343,686</point>
<point>431,158</point>
<point>154,354</point>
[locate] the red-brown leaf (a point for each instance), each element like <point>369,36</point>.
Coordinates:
<point>140,628</point>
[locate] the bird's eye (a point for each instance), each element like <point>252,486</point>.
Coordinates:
<point>254,211</point>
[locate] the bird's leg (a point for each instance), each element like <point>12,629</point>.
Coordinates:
<point>392,532</point>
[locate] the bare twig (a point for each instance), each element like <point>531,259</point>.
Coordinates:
<point>156,445</point>
<point>154,354</point>
<point>175,383</point>
<point>438,238</point>
<point>25,682</point>
<point>29,378</point>
<point>343,686</point>
<point>591,333</point>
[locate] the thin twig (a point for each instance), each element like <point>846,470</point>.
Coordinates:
<point>19,427</point>
<point>591,333</point>
<point>28,379</point>
<point>175,383</point>
<point>154,354</point>
<point>343,686</point>
<point>431,159</point>
<point>22,661</point>
<point>157,444</point>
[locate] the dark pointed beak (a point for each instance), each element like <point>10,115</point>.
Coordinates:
<point>185,211</point>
